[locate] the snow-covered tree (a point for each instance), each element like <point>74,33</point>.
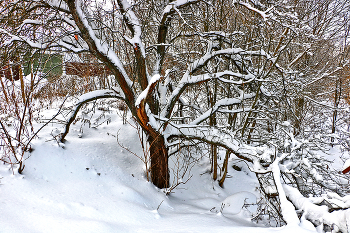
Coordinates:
<point>194,73</point>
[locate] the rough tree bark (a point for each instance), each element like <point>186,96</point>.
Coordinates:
<point>159,161</point>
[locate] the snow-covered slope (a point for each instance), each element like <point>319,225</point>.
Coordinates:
<point>91,184</point>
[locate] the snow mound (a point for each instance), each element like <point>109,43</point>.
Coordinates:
<point>234,203</point>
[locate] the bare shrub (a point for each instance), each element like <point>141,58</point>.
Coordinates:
<point>16,119</point>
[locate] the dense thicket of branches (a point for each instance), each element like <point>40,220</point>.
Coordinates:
<point>232,76</point>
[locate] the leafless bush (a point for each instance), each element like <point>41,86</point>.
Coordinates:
<point>21,99</point>
<point>16,119</point>
<point>71,85</point>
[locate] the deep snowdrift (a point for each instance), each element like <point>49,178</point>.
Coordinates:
<point>91,184</point>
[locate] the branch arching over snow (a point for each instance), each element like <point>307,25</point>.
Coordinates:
<point>91,96</point>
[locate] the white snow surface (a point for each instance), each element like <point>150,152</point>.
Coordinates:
<point>91,184</point>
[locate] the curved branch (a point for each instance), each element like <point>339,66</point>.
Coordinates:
<point>212,141</point>
<point>91,96</point>
<point>222,103</point>
<point>219,138</point>
<point>163,28</point>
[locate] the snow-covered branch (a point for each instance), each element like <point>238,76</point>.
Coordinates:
<point>170,8</point>
<point>216,137</point>
<point>188,79</point>
<point>133,24</point>
<point>44,45</point>
<point>222,103</point>
<point>320,215</point>
<point>91,96</point>
<point>288,210</point>
<point>209,76</point>
<point>149,89</point>
<point>14,38</point>
<point>263,14</point>
<point>102,48</point>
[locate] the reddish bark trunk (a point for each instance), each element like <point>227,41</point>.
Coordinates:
<point>158,151</point>
<point>159,162</point>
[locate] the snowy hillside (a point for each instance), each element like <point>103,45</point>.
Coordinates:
<point>238,116</point>
<point>91,184</point>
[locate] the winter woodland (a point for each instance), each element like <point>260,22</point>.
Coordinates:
<point>216,92</point>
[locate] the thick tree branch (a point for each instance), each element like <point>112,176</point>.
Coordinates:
<point>133,24</point>
<point>163,29</point>
<point>103,52</point>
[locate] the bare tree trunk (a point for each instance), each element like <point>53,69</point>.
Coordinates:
<point>224,169</point>
<point>159,162</point>
<point>298,113</point>
<point>214,148</point>
<point>214,156</point>
<point>337,96</point>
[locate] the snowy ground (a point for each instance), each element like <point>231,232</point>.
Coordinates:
<point>94,185</point>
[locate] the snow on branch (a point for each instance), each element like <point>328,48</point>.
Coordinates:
<point>230,51</point>
<point>336,71</point>
<point>221,103</point>
<point>320,214</point>
<point>209,55</point>
<point>263,14</point>
<point>218,75</point>
<point>288,210</point>
<point>14,38</point>
<point>325,105</point>
<point>102,47</point>
<point>175,134</point>
<point>213,136</point>
<point>30,21</point>
<point>90,96</point>
<point>134,25</point>
<point>219,34</point>
<point>235,110</point>
<point>177,4</point>
<point>37,44</point>
<point>145,93</point>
